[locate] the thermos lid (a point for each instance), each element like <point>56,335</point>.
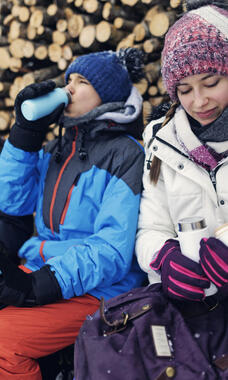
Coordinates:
<point>33,109</point>
<point>191,223</point>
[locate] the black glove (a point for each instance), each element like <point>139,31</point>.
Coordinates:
<point>29,135</point>
<point>18,288</point>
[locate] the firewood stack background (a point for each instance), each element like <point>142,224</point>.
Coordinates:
<point>39,39</point>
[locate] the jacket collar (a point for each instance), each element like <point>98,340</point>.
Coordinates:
<point>179,126</point>
<point>118,117</point>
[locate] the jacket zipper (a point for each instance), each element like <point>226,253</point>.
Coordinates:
<point>212,174</point>
<point>41,250</point>
<point>66,205</point>
<point>59,178</point>
<point>219,216</point>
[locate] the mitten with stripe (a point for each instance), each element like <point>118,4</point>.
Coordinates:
<point>182,278</point>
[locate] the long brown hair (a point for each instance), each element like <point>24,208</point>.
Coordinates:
<point>156,162</point>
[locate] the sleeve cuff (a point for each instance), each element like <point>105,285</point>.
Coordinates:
<point>45,286</point>
<point>25,139</point>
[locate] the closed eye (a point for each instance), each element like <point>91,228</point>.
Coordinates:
<point>212,84</point>
<point>183,92</point>
<point>84,81</point>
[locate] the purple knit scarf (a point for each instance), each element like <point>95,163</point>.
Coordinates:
<point>207,155</point>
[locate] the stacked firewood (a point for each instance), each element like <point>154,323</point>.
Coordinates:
<point>39,39</point>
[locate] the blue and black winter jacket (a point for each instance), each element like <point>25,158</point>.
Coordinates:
<point>86,206</point>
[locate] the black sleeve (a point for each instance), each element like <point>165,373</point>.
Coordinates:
<point>14,231</point>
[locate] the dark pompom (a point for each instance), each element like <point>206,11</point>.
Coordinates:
<point>132,58</point>
<point>159,111</point>
<point>195,4</point>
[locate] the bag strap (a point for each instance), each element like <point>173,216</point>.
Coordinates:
<point>126,317</point>
<point>134,295</point>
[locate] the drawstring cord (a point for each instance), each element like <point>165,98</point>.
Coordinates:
<point>82,152</point>
<point>58,155</point>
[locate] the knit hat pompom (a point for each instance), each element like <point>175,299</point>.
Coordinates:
<point>111,73</point>
<point>197,43</point>
<point>133,59</point>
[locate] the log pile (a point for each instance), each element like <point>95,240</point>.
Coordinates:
<point>39,39</point>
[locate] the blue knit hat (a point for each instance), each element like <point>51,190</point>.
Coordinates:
<point>111,73</point>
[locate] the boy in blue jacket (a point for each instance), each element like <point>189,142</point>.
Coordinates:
<point>84,189</point>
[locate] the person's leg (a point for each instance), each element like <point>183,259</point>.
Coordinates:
<point>30,333</point>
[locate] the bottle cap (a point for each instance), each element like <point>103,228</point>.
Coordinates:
<point>191,223</point>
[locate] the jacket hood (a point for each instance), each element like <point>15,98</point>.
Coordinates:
<point>117,117</point>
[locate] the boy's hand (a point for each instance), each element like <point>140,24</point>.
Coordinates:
<point>15,285</point>
<point>18,288</point>
<point>29,135</point>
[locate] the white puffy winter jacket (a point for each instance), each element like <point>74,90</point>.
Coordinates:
<point>184,189</point>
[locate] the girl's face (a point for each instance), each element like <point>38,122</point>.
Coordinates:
<point>84,97</point>
<point>203,96</point>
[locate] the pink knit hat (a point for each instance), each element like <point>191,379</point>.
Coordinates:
<point>197,43</point>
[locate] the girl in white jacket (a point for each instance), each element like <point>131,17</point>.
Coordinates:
<point>186,166</point>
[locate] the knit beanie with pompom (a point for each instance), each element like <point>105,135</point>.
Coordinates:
<point>112,74</point>
<point>197,43</point>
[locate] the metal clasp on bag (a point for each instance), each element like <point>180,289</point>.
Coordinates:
<point>120,324</point>
<point>211,307</point>
<point>126,317</point>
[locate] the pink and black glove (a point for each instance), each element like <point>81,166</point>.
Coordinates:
<point>182,278</point>
<point>214,261</point>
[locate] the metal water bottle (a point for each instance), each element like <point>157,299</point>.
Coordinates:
<point>33,109</point>
<point>221,233</point>
<point>191,231</point>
